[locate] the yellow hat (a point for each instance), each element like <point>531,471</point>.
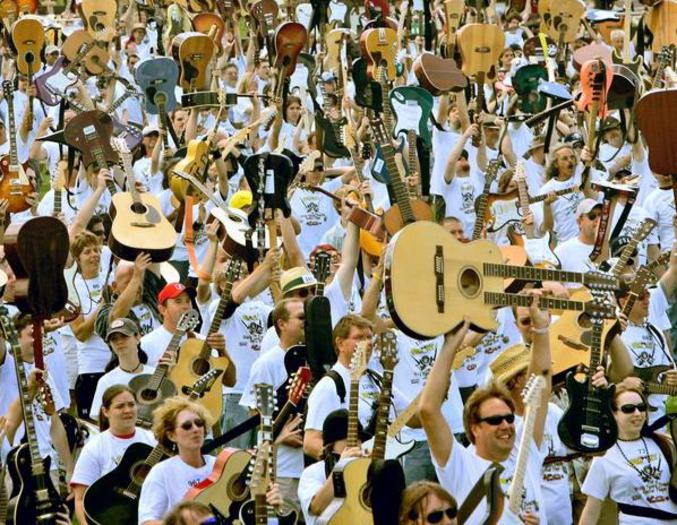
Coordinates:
<point>511,362</point>
<point>240,199</point>
<point>295,278</point>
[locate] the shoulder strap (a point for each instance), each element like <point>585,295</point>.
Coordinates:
<point>338,382</point>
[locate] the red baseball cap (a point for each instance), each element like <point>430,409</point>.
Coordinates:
<point>173,290</point>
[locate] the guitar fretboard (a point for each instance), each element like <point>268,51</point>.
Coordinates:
<point>97,152</point>
<point>353,438</point>
<point>529,273</point>
<point>381,430</point>
<point>161,371</point>
<point>510,299</point>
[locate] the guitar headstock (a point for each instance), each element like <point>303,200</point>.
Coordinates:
<point>644,229</point>
<point>358,363</point>
<point>258,483</point>
<point>308,163</point>
<point>387,346</point>
<point>188,321</point>
<point>9,332</point>
<point>531,395</point>
<point>600,307</point>
<point>321,266</point>
<point>7,90</point>
<point>600,281</point>
<point>299,385</point>
<point>233,270</point>
<point>265,400</point>
<point>379,130</point>
<point>492,171</point>
<point>120,145</point>
<point>205,382</point>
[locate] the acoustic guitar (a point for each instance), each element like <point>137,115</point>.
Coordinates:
<point>36,499</point>
<point>344,507</point>
<point>396,448</point>
<point>96,58</point>
<point>453,16</point>
<point>28,39</point>
<point>588,424</point>
<point>459,279</point>
<point>113,499</point>
<point>378,47</point>
<point>138,222</point>
<point>438,75</point>
<point>196,357</point>
<point>210,22</point>
<point>193,51</point>
<point>157,79</point>
<point>634,65</point>
<point>150,390</point>
<point>15,184</point>
<point>290,39</point>
<point>98,14</point>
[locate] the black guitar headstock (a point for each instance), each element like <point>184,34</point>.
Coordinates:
<point>276,171</point>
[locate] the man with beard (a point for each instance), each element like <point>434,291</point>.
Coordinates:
<point>488,419</point>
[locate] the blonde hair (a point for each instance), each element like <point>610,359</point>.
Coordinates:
<point>164,418</point>
<point>83,240</point>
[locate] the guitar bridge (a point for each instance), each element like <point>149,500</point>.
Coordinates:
<point>438,262</point>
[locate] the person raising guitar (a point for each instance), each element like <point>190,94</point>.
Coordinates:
<point>635,472</point>
<point>102,453</point>
<point>178,424</point>
<point>488,419</point>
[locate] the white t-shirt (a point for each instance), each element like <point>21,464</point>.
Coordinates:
<point>613,475</point>
<point>564,207</point>
<point>310,483</point>
<point>166,485</point>
<point>574,256</point>
<point>316,214</point>
<point>93,354</point>
<point>460,195</point>
<point>464,467</point>
<point>269,368</point>
<point>155,344</point>
<point>661,207</point>
<point>103,452</point>
<point>117,376</point>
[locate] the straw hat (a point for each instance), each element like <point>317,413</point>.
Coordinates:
<point>511,362</point>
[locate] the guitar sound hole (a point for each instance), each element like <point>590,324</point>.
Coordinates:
<point>470,282</point>
<point>200,366</point>
<point>148,395</point>
<point>237,488</point>
<point>137,207</point>
<point>139,472</point>
<point>584,321</point>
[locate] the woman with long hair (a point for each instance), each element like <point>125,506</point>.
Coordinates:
<point>103,452</point>
<point>636,471</point>
<point>425,502</point>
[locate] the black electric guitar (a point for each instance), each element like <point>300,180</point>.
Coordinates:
<point>113,499</point>
<point>588,424</point>
<point>36,499</point>
<point>150,390</point>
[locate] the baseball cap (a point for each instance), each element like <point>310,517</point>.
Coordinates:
<point>173,290</point>
<point>586,206</point>
<point>150,129</point>
<point>122,325</point>
<point>295,278</point>
<point>240,199</point>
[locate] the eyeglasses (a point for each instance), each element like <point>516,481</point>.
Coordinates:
<point>494,421</point>
<point>436,517</point>
<point>630,408</point>
<point>302,293</point>
<point>187,425</point>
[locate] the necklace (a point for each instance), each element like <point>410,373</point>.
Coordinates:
<point>132,370</point>
<point>648,472</point>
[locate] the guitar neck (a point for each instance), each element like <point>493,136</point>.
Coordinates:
<point>523,198</point>
<point>161,370</point>
<point>13,157</point>
<point>413,159</point>
<point>353,437</point>
<point>221,307</point>
<point>540,198</point>
<point>401,420</point>
<point>529,273</point>
<point>382,412</point>
<point>56,210</point>
<point>512,299</point>
<point>397,184</point>
<point>623,258</point>
<point>482,202</point>
<point>97,152</point>
<point>134,487</point>
<point>517,485</point>
<point>479,104</point>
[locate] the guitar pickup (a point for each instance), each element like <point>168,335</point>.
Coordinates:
<point>438,263</point>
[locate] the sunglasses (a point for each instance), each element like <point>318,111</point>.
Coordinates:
<point>497,420</point>
<point>187,425</point>
<point>630,408</point>
<point>436,517</point>
<point>594,215</point>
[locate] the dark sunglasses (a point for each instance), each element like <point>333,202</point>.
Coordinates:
<point>436,517</point>
<point>497,420</point>
<point>594,215</point>
<point>630,408</point>
<point>187,425</point>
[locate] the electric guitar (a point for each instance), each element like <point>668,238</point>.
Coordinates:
<point>347,477</point>
<point>36,499</point>
<point>460,279</point>
<point>15,184</point>
<point>642,232</point>
<point>481,201</point>
<point>412,107</point>
<point>138,222</point>
<point>396,448</point>
<point>588,424</point>
<point>531,396</point>
<point>150,390</point>
<point>113,499</point>
<point>196,357</point>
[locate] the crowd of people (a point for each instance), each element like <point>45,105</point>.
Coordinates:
<point>461,393</point>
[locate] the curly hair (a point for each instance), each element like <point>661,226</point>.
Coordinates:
<point>164,418</point>
<point>479,396</point>
<point>552,171</point>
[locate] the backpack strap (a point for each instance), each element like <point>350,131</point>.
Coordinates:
<point>338,383</point>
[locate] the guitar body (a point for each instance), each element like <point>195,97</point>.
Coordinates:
<point>28,38</point>
<point>140,228</point>
<point>26,506</point>
<point>350,480</point>
<point>438,75</point>
<point>158,78</point>
<point>148,399</point>
<point>95,59</point>
<point>379,168</point>
<point>378,47</point>
<point>412,107</point>
<point>591,52</point>
<point>11,186</point>
<point>368,93</point>
<point>624,88</point>
<point>247,515</point>
<point>591,430</point>
<point>656,114</point>
<point>96,123</point>
<point>194,164</point>
<point>480,45</point>
<point>290,38</point>
<point>190,366</point>
<point>406,281</point>
<point>525,82</point>
<point>393,221</point>
<point>203,23</point>
<point>98,14</point>
<point>331,144</point>
<point>560,19</point>
<point>226,488</point>
<point>537,249</point>
<point>193,51</point>
<point>178,21</point>
<point>394,447</point>
<point>107,501</point>
<point>55,81</point>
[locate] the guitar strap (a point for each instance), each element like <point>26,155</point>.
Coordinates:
<point>623,218</point>
<point>475,497</point>
<point>189,238</point>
